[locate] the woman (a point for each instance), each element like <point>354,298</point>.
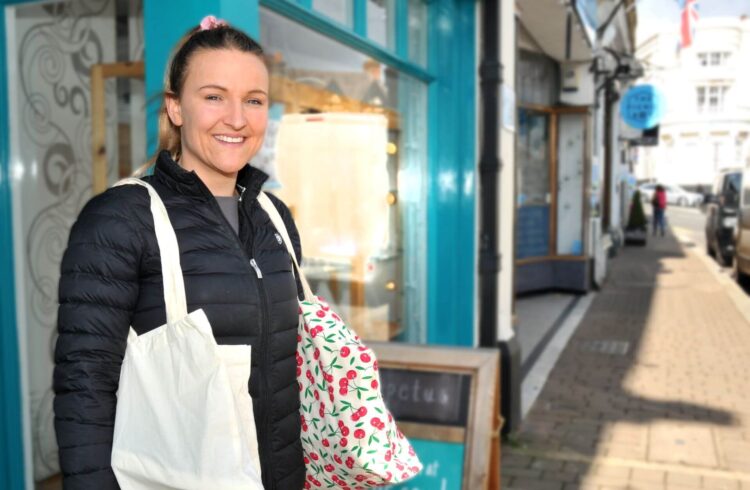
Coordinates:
<point>235,266</point>
<point>659,206</point>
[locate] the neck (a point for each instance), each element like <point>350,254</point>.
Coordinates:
<point>218,183</point>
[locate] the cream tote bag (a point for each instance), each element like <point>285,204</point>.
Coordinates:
<point>184,415</point>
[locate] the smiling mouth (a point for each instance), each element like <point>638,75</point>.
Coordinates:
<point>229,139</point>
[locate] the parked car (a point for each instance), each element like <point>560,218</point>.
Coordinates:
<point>742,233</point>
<point>647,191</point>
<point>675,195</point>
<point>721,215</point>
<point>679,196</point>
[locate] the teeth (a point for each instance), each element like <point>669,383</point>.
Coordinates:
<point>229,139</point>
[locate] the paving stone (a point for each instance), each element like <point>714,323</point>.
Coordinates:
<point>715,483</point>
<point>532,484</point>
<point>646,475</point>
<point>684,479</point>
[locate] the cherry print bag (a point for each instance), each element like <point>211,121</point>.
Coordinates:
<point>349,438</point>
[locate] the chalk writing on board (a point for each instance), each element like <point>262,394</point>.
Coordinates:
<point>427,397</point>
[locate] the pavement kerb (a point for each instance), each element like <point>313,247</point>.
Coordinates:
<point>739,297</point>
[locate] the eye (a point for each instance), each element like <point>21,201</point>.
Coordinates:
<point>213,97</point>
<point>258,102</point>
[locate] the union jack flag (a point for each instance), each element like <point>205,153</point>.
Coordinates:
<point>688,18</point>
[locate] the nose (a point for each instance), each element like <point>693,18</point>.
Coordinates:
<point>235,116</point>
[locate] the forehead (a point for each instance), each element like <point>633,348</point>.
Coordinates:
<point>229,68</point>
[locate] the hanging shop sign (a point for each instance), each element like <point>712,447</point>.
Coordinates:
<point>447,402</point>
<point>642,106</point>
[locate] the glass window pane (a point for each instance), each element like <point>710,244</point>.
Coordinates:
<point>338,10</point>
<point>348,147</point>
<point>418,32</point>
<point>532,220</point>
<point>380,14</point>
<point>570,173</point>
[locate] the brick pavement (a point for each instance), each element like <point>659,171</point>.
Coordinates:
<point>653,389</point>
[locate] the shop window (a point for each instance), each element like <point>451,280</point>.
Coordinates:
<point>570,179</point>
<point>534,193</point>
<point>347,148</point>
<point>418,32</point>
<point>380,14</point>
<point>338,10</point>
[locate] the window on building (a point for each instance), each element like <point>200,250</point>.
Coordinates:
<point>713,58</point>
<point>711,98</point>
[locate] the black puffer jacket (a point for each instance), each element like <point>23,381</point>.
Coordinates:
<point>111,279</point>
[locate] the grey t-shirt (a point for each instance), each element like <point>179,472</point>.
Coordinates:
<point>229,206</point>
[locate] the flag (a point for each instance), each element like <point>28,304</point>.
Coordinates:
<point>688,18</point>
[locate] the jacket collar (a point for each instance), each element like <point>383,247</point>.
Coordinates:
<point>172,175</point>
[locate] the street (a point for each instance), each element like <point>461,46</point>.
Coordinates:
<point>653,389</point>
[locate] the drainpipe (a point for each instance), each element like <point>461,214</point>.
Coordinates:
<point>490,75</point>
<point>489,171</point>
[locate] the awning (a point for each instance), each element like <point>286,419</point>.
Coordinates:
<point>544,26</point>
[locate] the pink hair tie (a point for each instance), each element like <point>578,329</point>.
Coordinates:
<point>210,22</point>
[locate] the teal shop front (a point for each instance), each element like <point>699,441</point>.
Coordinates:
<point>373,103</point>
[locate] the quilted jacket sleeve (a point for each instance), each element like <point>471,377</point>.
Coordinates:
<point>98,294</point>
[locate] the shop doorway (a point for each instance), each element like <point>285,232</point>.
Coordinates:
<point>551,181</point>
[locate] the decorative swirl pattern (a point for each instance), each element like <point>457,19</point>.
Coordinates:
<point>57,45</point>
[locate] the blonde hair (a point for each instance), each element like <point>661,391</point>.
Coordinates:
<point>221,37</point>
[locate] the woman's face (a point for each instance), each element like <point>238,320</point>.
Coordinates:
<point>222,111</point>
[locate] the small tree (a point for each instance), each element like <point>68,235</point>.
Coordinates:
<point>637,218</point>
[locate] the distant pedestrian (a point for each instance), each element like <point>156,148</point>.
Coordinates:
<point>659,205</point>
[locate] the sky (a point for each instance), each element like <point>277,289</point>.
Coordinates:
<point>656,15</point>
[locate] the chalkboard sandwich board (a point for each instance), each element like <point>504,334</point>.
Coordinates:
<point>447,401</point>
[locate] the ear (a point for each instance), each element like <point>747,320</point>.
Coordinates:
<point>174,109</point>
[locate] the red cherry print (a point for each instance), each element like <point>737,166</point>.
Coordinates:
<point>390,418</point>
<point>313,333</point>
<point>316,354</point>
<point>400,467</point>
<point>317,395</point>
<point>299,373</point>
<point>328,468</point>
<point>360,478</point>
<point>388,455</point>
<point>344,351</point>
<point>307,485</point>
<point>343,382</point>
<point>388,475</point>
<point>337,458</point>
<point>345,431</point>
<point>365,357</point>
<point>351,374</point>
<point>329,378</point>
<point>374,384</point>
<point>404,475</point>
<point>325,443</point>
<point>320,314</point>
<point>341,424</point>
<point>355,417</point>
<point>414,469</point>
<point>304,427</point>
<point>343,442</point>
<point>318,484</point>
<point>307,460</point>
<point>350,462</point>
<point>362,411</point>
<point>359,434</point>
<point>336,317</point>
<point>375,365</point>
<point>375,422</point>
<point>411,451</point>
<point>314,456</point>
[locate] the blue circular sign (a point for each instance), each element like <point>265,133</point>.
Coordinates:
<point>642,106</point>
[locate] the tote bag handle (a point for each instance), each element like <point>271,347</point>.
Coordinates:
<point>278,222</point>
<point>169,252</point>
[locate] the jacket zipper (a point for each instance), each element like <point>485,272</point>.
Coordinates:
<point>265,462</point>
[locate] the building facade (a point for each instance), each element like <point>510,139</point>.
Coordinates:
<point>707,124</point>
<point>384,92</point>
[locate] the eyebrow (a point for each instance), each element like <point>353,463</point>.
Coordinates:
<point>224,89</point>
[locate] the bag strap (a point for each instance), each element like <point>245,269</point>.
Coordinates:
<point>171,271</point>
<point>278,222</point>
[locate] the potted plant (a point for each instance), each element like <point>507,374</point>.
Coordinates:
<point>636,232</point>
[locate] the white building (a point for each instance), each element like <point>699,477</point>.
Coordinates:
<point>707,123</point>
